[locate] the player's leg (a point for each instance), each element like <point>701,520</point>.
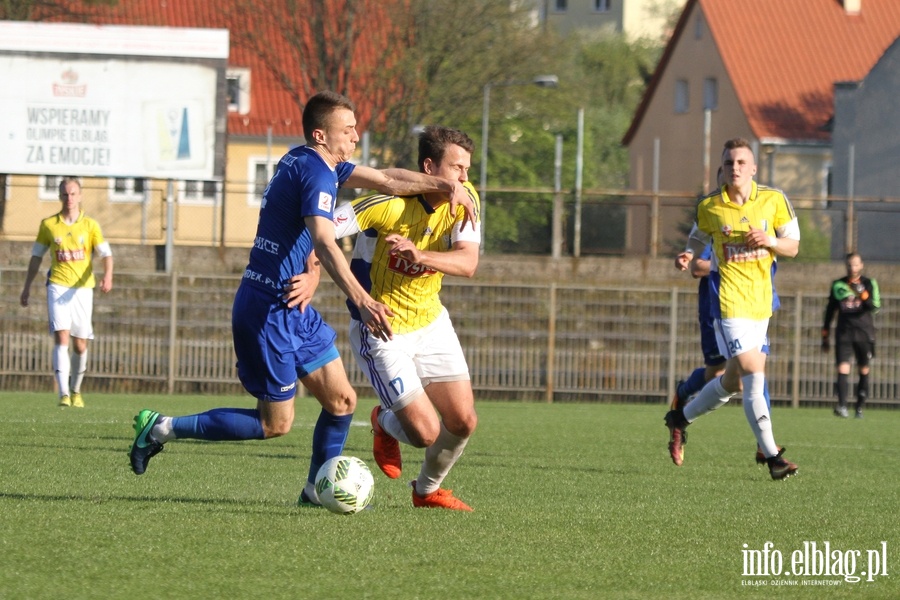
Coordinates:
<point>455,402</point>
<point>263,344</point>
<point>60,318</point>
<point>865,351</point>
<point>390,368</point>
<point>82,308</point>
<point>330,386</point>
<point>843,352</point>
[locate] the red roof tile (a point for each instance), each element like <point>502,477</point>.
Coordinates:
<point>783,57</point>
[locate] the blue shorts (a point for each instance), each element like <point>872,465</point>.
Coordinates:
<point>711,355</point>
<point>276,345</point>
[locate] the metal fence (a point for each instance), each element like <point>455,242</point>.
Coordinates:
<point>162,333</point>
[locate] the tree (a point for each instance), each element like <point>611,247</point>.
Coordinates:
<point>309,46</point>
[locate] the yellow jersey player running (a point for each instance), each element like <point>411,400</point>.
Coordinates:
<point>747,225</point>
<point>404,248</point>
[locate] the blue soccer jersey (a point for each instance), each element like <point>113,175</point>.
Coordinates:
<point>276,345</point>
<point>303,186</point>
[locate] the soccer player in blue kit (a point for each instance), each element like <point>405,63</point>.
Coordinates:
<point>278,342</point>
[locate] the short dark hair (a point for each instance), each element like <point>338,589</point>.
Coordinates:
<point>737,142</point>
<point>319,107</point>
<point>434,140</point>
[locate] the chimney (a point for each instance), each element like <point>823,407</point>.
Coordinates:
<point>852,7</point>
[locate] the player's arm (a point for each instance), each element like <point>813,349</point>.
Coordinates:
<point>700,267</point>
<point>830,308</point>
<point>402,182</point>
<point>697,240</point>
<point>375,315</point>
<point>300,289</point>
<point>106,257</point>
<point>37,256</point>
<point>461,260</point>
<point>683,260</point>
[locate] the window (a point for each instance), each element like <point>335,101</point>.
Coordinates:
<point>237,90</point>
<point>698,28</point>
<point>260,172</point>
<point>710,93</point>
<point>560,5</point>
<point>682,98</point>
<point>49,187</point>
<point>601,5</point>
<point>198,192</point>
<point>127,190</point>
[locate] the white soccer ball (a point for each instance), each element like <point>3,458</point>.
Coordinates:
<point>345,485</point>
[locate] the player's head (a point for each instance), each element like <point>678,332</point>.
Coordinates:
<point>854,265</point>
<point>70,191</point>
<point>445,152</point>
<point>330,123</point>
<point>738,163</point>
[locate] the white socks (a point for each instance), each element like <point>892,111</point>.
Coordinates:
<point>391,424</point>
<point>758,412</point>
<point>79,366</point>
<point>439,459</point>
<point>61,368</point>
<point>711,397</point>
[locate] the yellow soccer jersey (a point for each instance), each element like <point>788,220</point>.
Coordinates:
<point>411,290</point>
<point>741,276</point>
<point>71,248</point>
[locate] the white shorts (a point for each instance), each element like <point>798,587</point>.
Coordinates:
<point>736,336</point>
<point>401,368</point>
<point>70,310</point>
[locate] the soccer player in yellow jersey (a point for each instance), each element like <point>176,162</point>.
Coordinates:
<point>404,248</point>
<point>73,238</point>
<point>747,225</point>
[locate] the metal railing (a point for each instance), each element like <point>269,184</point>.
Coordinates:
<point>162,333</point>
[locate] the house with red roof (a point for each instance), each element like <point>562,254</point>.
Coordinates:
<point>268,79</point>
<point>763,70</point>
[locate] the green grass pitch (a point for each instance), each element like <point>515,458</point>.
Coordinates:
<point>572,501</point>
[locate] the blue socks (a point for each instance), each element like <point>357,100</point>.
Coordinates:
<point>220,425</point>
<point>328,440</point>
<point>693,384</point>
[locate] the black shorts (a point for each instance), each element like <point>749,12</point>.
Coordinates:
<point>851,345</point>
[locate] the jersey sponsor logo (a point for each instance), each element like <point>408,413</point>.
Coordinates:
<point>325,201</point>
<point>266,245</point>
<point>409,268</point>
<point>739,253</point>
<point>259,277</point>
<point>70,255</point>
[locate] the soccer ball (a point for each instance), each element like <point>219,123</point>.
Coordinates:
<point>345,485</point>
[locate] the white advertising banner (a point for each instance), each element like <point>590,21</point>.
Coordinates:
<point>115,101</point>
<point>107,117</point>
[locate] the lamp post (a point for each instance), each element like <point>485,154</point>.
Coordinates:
<point>547,81</point>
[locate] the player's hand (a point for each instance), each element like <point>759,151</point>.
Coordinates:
<point>460,197</point>
<point>377,318</point>
<point>860,290</point>
<point>826,345</point>
<point>299,290</point>
<point>757,238</point>
<point>106,283</point>
<point>403,247</point>
<point>683,260</point>
<point>23,299</point>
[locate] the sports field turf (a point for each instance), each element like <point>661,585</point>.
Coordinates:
<point>571,501</point>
